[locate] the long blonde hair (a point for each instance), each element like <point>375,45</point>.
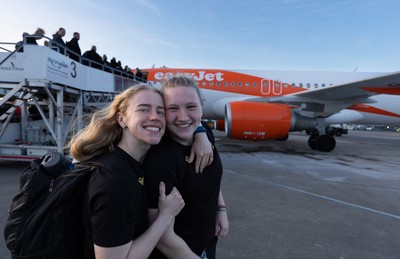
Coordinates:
<point>39,31</point>
<point>103,132</point>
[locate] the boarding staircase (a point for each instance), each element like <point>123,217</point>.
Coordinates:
<point>46,97</point>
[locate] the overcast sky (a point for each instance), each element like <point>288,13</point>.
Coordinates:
<point>339,35</point>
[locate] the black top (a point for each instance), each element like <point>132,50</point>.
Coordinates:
<point>60,44</point>
<point>92,55</point>
<point>74,46</point>
<point>166,162</point>
<point>114,210</point>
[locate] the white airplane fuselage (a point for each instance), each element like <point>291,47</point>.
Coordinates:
<point>217,97</point>
<point>270,104</point>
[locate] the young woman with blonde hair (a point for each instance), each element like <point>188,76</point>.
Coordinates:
<point>114,208</point>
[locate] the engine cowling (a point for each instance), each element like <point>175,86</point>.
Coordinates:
<point>257,121</point>
<point>220,125</point>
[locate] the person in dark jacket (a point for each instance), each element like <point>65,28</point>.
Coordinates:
<point>114,66</point>
<point>138,74</point>
<point>74,51</point>
<point>92,59</point>
<point>106,64</point>
<point>19,45</point>
<point>57,42</point>
<point>30,38</point>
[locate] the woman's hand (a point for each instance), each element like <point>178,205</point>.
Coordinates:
<point>202,151</point>
<point>171,204</point>
<point>221,223</point>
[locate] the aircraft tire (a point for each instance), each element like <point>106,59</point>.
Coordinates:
<point>325,143</point>
<point>311,141</point>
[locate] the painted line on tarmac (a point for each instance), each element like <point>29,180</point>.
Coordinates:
<point>314,194</point>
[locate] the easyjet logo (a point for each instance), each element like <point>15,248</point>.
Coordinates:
<point>198,75</point>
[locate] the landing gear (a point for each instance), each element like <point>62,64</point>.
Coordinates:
<point>320,138</point>
<point>324,143</point>
<point>311,142</point>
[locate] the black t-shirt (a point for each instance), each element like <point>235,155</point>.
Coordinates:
<point>167,162</point>
<point>114,208</point>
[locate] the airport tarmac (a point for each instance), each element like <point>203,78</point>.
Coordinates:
<point>288,201</point>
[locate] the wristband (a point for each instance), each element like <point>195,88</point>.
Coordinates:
<point>200,129</point>
<point>221,207</point>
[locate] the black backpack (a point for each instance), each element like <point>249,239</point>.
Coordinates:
<point>44,219</point>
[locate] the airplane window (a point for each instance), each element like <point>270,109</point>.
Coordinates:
<point>323,85</point>
<point>225,84</point>
<point>255,84</point>
<point>233,84</point>
<point>266,84</point>
<point>240,84</point>
<point>204,83</point>
<point>293,85</point>
<point>285,85</point>
<point>218,83</point>
<point>301,85</point>
<point>211,83</point>
<point>315,85</point>
<point>247,84</point>
<point>308,85</point>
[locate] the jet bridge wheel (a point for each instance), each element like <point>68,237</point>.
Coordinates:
<point>324,143</point>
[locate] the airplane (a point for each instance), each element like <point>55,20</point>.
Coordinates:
<point>262,105</point>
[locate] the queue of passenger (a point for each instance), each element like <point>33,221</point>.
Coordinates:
<point>72,49</point>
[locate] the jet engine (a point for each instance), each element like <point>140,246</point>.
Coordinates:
<point>262,121</point>
<point>253,120</point>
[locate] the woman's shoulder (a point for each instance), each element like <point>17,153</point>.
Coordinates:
<point>162,154</point>
<point>166,146</point>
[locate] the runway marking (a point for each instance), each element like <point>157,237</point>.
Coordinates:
<point>315,195</point>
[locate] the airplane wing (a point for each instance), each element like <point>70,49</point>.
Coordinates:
<point>387,84</point>
<point>327,101</point>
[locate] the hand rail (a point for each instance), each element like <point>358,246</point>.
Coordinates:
<point>56,46</point>
<point>9,55</point>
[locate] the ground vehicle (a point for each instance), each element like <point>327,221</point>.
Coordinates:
<point>336,130</point>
